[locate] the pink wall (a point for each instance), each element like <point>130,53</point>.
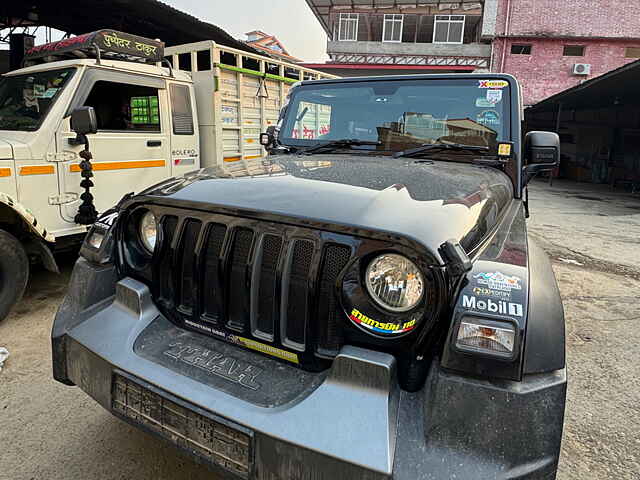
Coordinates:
<point>579,18</point>
<point>604,27</point>
<point>546,71</point>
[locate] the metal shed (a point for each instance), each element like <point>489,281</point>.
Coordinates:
<point>599,126</point>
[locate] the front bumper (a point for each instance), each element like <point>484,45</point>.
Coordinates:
<point>351,422</point>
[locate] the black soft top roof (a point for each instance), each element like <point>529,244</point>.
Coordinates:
<point>110,42</point>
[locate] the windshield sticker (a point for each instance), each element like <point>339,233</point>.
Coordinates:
<point>500,307</point>
<point>489,118</point>
<point>482,102</point>
<point>38,90</point>
<point>504,150</point>
<point>359,318</point>
<point>49,93</point>
<point>498,281</point>
<point>494,96</point>
<point>492,83</point>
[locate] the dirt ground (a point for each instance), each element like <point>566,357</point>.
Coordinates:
<point>48,430</point>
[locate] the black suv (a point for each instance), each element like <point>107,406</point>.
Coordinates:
<point>361,303</point>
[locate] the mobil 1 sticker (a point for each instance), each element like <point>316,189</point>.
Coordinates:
<point>487,305</point>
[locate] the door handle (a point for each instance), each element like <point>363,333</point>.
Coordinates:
<point>154,143</point>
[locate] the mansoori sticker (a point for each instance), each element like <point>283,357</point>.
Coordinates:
<point>390,328</point>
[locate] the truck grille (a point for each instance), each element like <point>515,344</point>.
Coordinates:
<point>266,286</point>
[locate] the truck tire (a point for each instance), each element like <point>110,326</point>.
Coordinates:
<point>14,272</point>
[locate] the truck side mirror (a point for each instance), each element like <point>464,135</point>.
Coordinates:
<point>84,121</point>
<point>542,153</point>
<point>268,139</point>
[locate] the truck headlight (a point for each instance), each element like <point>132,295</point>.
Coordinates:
<point>394,282</point>
<point>486,336</point>
<point>148,231</point>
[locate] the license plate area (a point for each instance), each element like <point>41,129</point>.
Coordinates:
<point>211,438</point>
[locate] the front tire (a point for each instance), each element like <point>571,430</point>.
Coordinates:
<point>14,272</point>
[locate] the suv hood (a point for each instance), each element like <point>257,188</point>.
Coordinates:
<point>6,151</point>
<point>428,202</point>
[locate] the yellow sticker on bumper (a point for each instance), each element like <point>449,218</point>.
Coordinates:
<point>268,349</point>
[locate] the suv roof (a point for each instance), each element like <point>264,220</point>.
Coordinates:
<point>422,76</point>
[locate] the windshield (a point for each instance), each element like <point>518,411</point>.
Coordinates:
<point>400,114</point>
<point>26,99</point>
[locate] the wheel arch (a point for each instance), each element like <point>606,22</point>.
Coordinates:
<point>17,220</point>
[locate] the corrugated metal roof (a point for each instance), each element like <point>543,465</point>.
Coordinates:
<point>149,18</point>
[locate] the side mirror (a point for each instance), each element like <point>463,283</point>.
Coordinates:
<point>84,121</point>
<point>542,153</point>
<point>268,139</point>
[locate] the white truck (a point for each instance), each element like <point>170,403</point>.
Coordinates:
<point>154,122</point>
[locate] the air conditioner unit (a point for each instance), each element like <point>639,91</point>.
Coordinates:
<point>583,69</point>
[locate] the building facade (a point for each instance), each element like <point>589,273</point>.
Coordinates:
<point>269,45</point>
<point>552,45</point>
<point>549,45</point>
<point>379,36</point>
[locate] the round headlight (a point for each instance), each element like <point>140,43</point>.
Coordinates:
<point>394,282</point>
<point>148,231</point>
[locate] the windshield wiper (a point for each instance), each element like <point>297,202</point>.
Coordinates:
<point>335,144</point>
<point>440,146</point>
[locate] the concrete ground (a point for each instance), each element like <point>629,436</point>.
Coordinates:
<point>50,431</point>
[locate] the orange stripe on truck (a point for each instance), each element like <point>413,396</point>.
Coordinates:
<point>5,172</point>
<point>247,157</point>
<point>121,165</point>
<point>37,170</point>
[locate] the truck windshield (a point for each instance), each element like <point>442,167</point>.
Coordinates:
<point>400,114</point>
<point>26,99</point>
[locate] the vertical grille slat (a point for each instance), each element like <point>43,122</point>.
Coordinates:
<point>169,225</point>
<point>264,293</point>
<point>212,292</point>
<point>335,258</point>
<point>295,295</point>
<point>238,290</point>
<point>188,278</point>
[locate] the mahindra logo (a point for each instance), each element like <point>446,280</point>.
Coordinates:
<point>500,307</point>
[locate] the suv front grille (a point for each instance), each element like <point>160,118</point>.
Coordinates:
<point>267,283</point>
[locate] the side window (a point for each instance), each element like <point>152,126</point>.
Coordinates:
<point>181,113</point>
<point>124,107</point>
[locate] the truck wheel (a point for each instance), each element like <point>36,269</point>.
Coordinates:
<point>14,272</point>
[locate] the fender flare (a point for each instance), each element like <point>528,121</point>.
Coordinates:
<point>29,218</point>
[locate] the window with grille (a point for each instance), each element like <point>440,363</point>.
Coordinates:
<point>448,29</point>
<point>392,30</point>
<point>181,113</point>
<point>521,49</point>
<point>348,27</point>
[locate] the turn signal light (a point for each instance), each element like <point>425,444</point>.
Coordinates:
<point>486,336</point>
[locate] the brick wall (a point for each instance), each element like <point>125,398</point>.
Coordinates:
<point>605,27</point>
<point>582,18</point>
<point>546,71</point>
